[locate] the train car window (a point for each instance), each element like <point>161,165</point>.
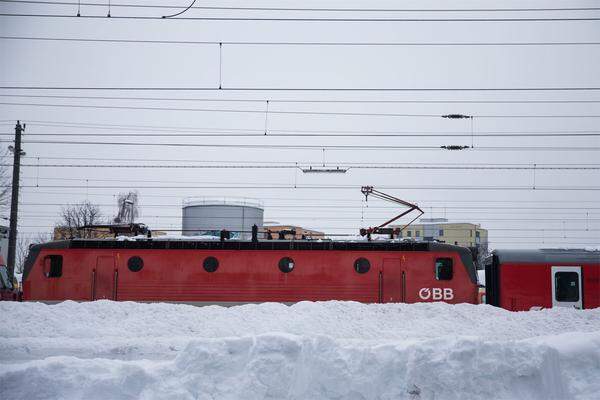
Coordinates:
<point>286,265</point>
<point>53,266</point>
<point>362,265</point>
<point>211,264</point>
<point>443,269</point>
<point>567,286</point>
<point>135,264</point>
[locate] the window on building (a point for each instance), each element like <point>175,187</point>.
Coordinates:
<point>441,232</point>
<point>362,265</point>
<point>286,265</point>
<point>53,266</point>
<point>211,264</point>
<point>566,285</point>
<point>135,264</point>
<point>443,269</point>
<point>418,233</point>
<point>477,234</point>
<point>408,233</point>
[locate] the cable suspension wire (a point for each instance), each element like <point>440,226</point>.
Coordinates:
<point>296,163</point>
<point>297,43</point>
<point>316,146</point>
<point>339,201</point>
<point>367,135</point>
<point>307,9</point>
<point>306,89</point>
<point>311,208</point>
<point>324,134</point>
<point>321,187</point>
<point>289,112</point>
<point>312,19</point>
<point>139,180</point>
<point>342,101</point>
<point>300,166</point>
<point>309,218</point>
<point>154,128</point>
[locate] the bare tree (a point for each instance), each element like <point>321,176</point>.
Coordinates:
<point>78,215</point>
<point>24,243</point>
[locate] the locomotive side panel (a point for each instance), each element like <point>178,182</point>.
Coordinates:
<point>425,283</point>
<point>246,276</point>
<point>239,276</point>
<point>58,275</point>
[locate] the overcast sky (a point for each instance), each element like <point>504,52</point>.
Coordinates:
<point>540,223</point>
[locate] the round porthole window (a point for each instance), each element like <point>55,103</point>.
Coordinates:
<point>286,265</point>
<point>211,264</point>
<point>135,264</point>
<point>362,265</point>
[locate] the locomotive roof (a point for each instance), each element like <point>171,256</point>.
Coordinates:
<point>162,244</point>
<point>548,255</point>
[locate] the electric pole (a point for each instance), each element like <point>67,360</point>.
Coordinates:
<point>14,200</point>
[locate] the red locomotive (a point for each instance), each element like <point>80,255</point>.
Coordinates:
<point>520,280</point>
<point>232,272</point>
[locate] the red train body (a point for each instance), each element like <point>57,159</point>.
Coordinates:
<point>521,280</point>
<point>234,272</point>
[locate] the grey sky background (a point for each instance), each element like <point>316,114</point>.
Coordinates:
<point>48,63</point>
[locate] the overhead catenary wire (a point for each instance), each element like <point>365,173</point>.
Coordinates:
<point>314,146</point>
<point>381,209</point>
<point>301,132</point>
<point>321,187</point>
<point>138,180</point>
<point>296,163</point>
<point>340,201</point>
<point>350,219</point>
<point>308,19</point>
<point>306,89</point>
<point>304,9</point>
<point>320,100</point>
<point>275,133</point>
<point>241,165</point>
<point>292,43</point>
<point>268,111</point>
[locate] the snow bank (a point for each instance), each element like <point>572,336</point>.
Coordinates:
<point>329,350</point>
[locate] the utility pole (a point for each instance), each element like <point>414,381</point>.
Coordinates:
<point>14,200</point>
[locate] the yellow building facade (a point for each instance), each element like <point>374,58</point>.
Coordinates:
<point>464,234</point>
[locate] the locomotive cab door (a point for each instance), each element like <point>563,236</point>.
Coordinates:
<point>566,287</point>
<point>104,279</point>
<point>392,282</point>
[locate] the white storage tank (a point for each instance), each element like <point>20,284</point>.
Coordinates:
<point>210,215</point>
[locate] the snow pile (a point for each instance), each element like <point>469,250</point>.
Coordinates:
<point>328,350</point>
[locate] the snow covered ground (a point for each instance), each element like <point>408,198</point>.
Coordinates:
<point>329,350</point>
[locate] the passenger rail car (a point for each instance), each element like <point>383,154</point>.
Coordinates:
<point>520,280</point>
<point>234,272</point>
